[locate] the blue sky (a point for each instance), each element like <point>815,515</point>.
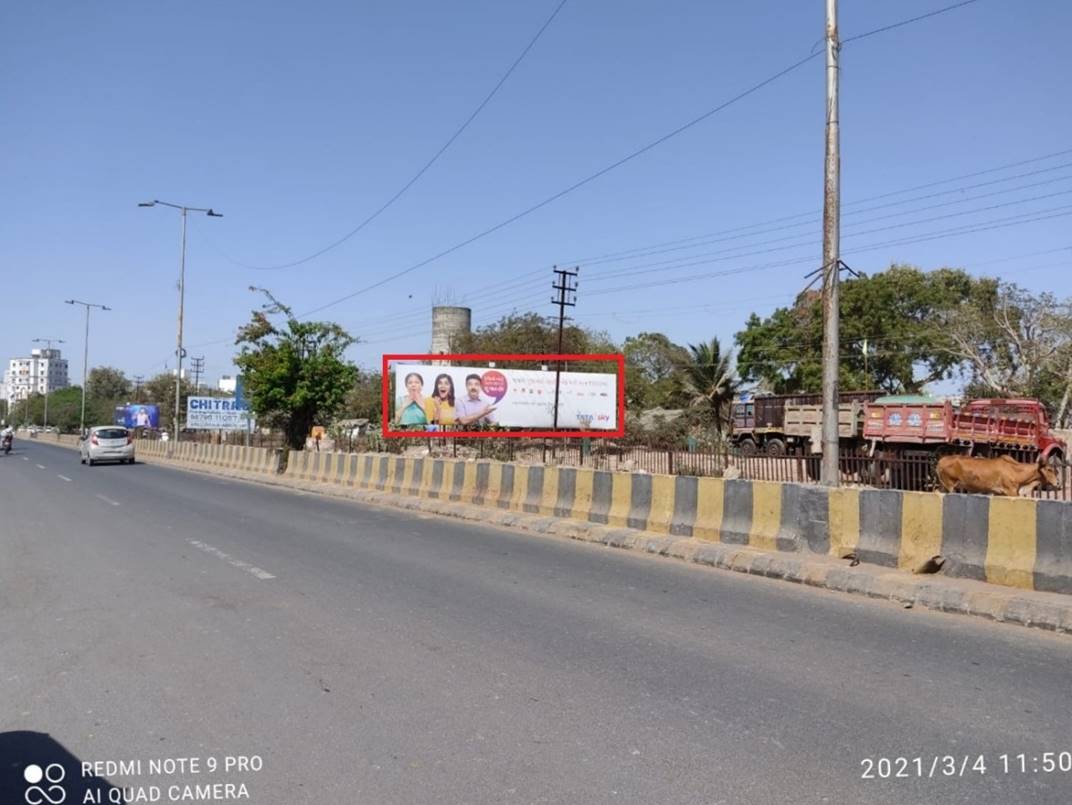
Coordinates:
<point>296,122</point>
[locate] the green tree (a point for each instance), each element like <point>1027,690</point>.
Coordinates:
<point>295,373</point>
<point>365,400</point>
<point>711,382</point>
<point>654,372</point>
<point>531,333</point>
<point>887,336</point>
<point>1014,344</point>
<point>160,390</point>
<point>107,383</point>
<point>64,409</point>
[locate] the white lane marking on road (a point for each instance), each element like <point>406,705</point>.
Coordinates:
<point>64,477</point>
<point>40,466</point>
<point>246,566</point>
<point>108,500</point>
<point>25,458</point>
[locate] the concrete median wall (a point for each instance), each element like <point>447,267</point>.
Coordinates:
<point>1016,542</point>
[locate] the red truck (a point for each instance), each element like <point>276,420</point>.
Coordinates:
<point>1016,427</point>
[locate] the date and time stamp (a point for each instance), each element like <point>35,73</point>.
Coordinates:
<point>967,765</point>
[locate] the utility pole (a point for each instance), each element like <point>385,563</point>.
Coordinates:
<point>85,360</point>
<point>565,283</point>
<point>138,380</point>
<point>197,368</point>
<point>180,353</point>
<point>830,475</point>
<point>48,372</point>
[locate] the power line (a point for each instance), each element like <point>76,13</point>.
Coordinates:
<point>435,157</point>
<point>909,21</point>
<point>723,255</point>
<point>802,260</point>
<point>498,289</point>
<point>512,305</point>
<point>813,217</point>
<point>387,322</point>
<point>378,324</point>
<point>612,166</point>
<point>855,224</point>
<point>1056,212</point>
<point>560,194</point>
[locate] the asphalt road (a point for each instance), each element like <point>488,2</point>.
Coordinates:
<point>363,655</point>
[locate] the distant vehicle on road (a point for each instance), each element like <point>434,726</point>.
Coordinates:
<point>108,443</point>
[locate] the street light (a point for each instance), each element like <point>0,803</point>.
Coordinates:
<point>85,360</point>
<point>48,341</point>
<point>179,352</point>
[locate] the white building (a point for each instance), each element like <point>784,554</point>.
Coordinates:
<point>43,372</point>
<point>227,384</point>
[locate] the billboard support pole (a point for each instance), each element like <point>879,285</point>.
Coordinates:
<point>563,301</point>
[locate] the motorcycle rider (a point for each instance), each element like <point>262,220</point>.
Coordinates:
<point>7,437</point>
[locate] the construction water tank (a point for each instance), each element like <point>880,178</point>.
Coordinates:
<point>448,322</point>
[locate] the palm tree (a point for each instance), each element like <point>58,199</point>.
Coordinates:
<point>711,381</point>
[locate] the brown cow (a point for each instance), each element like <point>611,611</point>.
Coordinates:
<point>994,476</point>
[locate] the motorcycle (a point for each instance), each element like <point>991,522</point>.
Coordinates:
<point>6,443</point>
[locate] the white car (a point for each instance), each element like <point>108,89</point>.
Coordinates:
<point>108,443</point>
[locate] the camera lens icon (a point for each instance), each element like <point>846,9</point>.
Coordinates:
<point>53,774</point>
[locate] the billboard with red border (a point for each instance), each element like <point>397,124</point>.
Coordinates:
<point>493,386</point>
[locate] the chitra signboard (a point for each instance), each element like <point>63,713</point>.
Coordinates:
<point>216,413</point>
<point>430,397</point>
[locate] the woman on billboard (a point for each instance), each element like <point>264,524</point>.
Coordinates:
<point>439,408</point>
<point>410,408</point>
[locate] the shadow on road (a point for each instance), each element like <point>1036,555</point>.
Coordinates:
<point>36,769</point>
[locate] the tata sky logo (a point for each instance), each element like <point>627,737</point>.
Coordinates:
<point>43,785</point>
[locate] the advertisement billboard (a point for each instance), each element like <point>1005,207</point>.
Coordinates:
<point>137,416</point>
<point>217,413</point>
<point>431,397</point>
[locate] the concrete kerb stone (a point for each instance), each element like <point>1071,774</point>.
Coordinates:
<point>1045,610</point>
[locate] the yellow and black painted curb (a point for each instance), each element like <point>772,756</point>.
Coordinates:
<point>1015,542</point>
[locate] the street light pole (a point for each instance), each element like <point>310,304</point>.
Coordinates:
<point>48,343</point>
<point>179,352</point>
<point>85,361</point>
<point>178,346</point>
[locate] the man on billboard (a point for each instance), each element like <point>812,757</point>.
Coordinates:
<point>141,417</point>
<point>474,408</point>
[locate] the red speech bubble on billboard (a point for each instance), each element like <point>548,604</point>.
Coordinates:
<point>494,384</point>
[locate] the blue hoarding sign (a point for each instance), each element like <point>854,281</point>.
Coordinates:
<point>138,416</point>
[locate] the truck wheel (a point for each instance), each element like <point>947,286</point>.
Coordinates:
<point>748,447</point>
<point>775,447</point>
